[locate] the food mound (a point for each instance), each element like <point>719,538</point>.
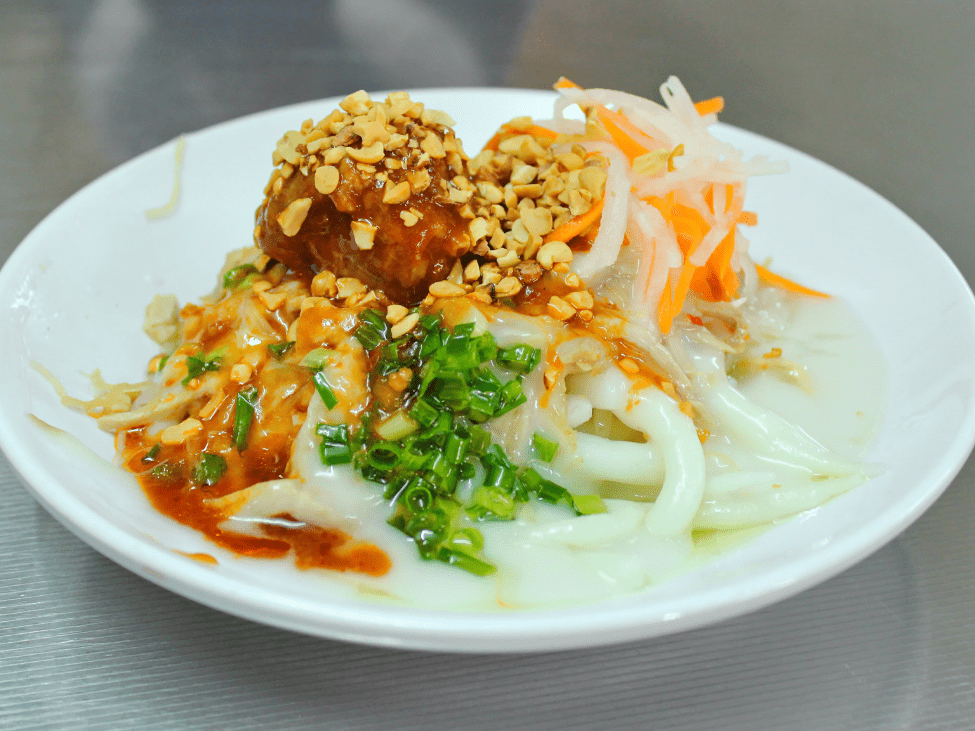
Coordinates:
<point>513,368</point>
<point>378,195</point>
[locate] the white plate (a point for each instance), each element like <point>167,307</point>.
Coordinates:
<point>76,290</point>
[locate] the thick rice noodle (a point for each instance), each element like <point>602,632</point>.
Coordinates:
<point>644,416</point>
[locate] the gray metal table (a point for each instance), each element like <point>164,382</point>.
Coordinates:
<point>881,90</point>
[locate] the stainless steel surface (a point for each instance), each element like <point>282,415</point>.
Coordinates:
<point>882,90</point>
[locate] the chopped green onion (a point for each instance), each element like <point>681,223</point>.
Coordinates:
<point>424,413</point>
<point>236,276</point>
<point>384,456</point>
<point>492,502</point>
<point>317,359</point>
<point>421,452</point>
<point>324,390</point>
<point>588,504</point>
<point>468,540</point>
<point>209,469</point>
<point>427,527</point>
<point>454,392</point>
<point>166,471</point>
<point>466,562</point>
<point>501,476</point>
<point>372,329</point>
<point>530,479</point>
<point>200,363</point>
<point>520,358</point>
<point>512,396</point>
<point>549,492</point>
<point>546,448</point>
<point>162,363</point>
<point>243,415</point>
<point>411,460</point>
<point>417,496</point>
<point>335,447</point>
<point>278,350</point>
<point>396,427</point>
<point>483,406</point>
<point>150,456</point>
<point>373,318</point>
<point>494,456</point>
<point>455,448</point>
<point>480,440</point>
<point>487,347</point>
<point>466,471</point>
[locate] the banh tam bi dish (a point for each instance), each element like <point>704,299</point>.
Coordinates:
<point>542,374</point>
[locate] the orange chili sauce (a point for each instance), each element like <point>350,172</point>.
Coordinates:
<point>284,390</point>
<point>178,497</point>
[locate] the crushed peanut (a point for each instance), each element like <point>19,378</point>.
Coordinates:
<point>395,313</point>
<point>348,286</point>
<point>398,193</point>
<point>364,234</point>
<point>550,377</point>
<point>445,289</point>
<point>581,300</point>
<point>240,373</point>
<point>326,179</point>
<point>553,252</point>
<point>291,218</point>
<point>559,309</point>
<point>507,287</point>
<point>272,300</point>
<point>323,284</point>
<point>405,325</point>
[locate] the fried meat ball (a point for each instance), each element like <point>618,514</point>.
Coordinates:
<point>376,191</point>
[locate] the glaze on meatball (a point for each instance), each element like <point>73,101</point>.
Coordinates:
<point>376,191</point>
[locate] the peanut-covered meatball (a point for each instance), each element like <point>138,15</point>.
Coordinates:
<point>376,191</point>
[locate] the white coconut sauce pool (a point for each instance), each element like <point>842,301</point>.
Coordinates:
<point>547,558</point>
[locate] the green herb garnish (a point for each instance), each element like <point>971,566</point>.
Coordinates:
<point>425,449</point>
<point>209,469</point>
<point>278,350</point>
<point>335,447</point>
<point>324,390</point>
<point>546,448</point>
<point>167,471</point>
<point>238,275</point>
<point>150,456</point>
<point>243,416</point>
<point>200,363</point>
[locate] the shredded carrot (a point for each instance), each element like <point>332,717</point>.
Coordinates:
<point>716,281</point>
<point>492,144</point>
<point>710,106</point>
<point>729,196</point>
<point>777,280</point>
<point>577,225</point>
<point>671,306</point>
<point>625,134</point>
